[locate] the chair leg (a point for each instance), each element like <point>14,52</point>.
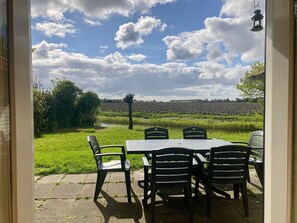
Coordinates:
<point>248,177</point>
<point>153,198</point>
<point>260,172</point>
<point>128,185</point>
<point>145,189</point>
<point>209,198</point>
<point>236,191</point>
<point>188,193</point>
<point>100,180</point>
<point>245,198</point>
<point>196,186</point>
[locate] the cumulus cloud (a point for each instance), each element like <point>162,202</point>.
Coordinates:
<point>116,74</point>
<point>130,34</point>
<point>137,57</point>
<point>237,8</point>
<point>55,9</point>
<point>183,47</point>
<point>55,29</point>
<point>214,70</point>
<point>230,31</point>
<point>214,52</point>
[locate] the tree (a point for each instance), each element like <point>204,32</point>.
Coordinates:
<point>39,105</point>
<point>65,95</point>
<point>88,106</point>
<point>251,85</point>
<point>129,99</point>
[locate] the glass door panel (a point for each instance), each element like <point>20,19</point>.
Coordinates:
<point>5,192</point>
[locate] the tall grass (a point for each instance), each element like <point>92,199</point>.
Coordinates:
<point>218,122</point>
<point>69,152</point>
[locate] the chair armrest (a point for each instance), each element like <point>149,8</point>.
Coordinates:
<point>200,158</point>
<point>145,162</point>
<point>115,146</point>
<point>257,148</point>
<point>240,143</point>
<point>112,146</point>
<point>109,154</point>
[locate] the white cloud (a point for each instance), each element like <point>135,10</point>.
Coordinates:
<point>214,52</point>
<point>240,8</point>
<point>103,9</point>
<point>183,47</point>
<point>55,29</point>
<point>92,22</point>
<point>127,36</point>
<point>213,70</point>
<point>137,57</point>
<point>225,37</point>
<point>116,75</point>
<point>146,25</point>
<point>130,34</point>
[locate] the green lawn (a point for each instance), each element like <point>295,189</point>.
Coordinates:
<point>69,152</point>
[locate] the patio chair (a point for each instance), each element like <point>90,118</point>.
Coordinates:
<point>152,133</point>
<point>194,133</point>
<point>256,158</point>
<point>171,169</point>
<point>226,165</point>
<point>121,165</point>
<point>156,133</point>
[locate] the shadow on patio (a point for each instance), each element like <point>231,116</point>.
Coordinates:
<point>69,199</point>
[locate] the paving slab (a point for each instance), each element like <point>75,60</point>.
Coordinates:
<point>54,209</point>
<point>43,190</point>
<point>92,219</point>
<point>84,208</point>
<point>117,177</point>
<point>74,178</point>
<point>48,220</point>
<point>50,179</point>
<point>91,178</point>
<point>88,190</point>
<point>117,190</point>
<point>66,191</point>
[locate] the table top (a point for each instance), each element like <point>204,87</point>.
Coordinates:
<point>199,145</point>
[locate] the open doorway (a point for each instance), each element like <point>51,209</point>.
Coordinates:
<point>165,55</point>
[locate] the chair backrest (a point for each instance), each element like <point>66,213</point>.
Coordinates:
<point>156,133</point>
<point>95,148</point>
<point>171,167</point>
<point>194,133</point>
<point>256,143</point>
<point>228,164</point>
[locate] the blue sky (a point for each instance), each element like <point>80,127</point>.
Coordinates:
<point>155,49</point>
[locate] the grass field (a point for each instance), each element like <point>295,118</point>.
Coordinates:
<point>69,152</point>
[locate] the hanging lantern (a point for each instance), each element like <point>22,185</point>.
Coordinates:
<point>257,19</point>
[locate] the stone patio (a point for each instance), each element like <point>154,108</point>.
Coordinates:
<point>69,199</point>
